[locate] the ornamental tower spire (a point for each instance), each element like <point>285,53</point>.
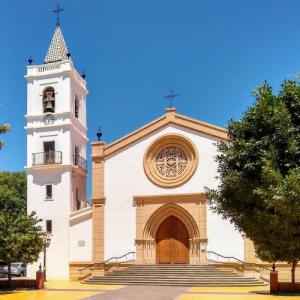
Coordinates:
<point>58,49</point>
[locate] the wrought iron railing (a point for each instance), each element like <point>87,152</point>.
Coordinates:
<point>129,257</point>
<point>46,158</point>
<point>219,258</point>
<point>80,162</point>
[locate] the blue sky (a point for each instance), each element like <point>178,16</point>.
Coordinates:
<point>212,53</point>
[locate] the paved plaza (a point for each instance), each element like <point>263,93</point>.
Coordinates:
<point>67,290</point>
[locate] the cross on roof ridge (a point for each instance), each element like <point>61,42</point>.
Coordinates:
<point>170,96</point>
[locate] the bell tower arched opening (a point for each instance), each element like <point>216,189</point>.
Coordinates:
<point>49,100</point>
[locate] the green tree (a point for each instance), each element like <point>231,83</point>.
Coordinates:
<point>259,173</point>
<point>13,187</point>
<point>3,129</point>
<point>21,236</point>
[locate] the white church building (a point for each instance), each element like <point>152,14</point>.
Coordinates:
<point>148,191</point>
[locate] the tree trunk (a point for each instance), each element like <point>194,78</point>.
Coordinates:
<point>9,275</point>
<point>293,270</point>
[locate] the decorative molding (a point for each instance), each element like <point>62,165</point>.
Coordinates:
<point>48,135</point>
<point>171,117</point>
<point>170,160</point>
<point>165,211</point>
<point>65,116</point>
<point>45,168</point>
<point>49,83</point>
<point>182,198</point>
<point>98,201</point>
<point>81,211</point>
<point>80,216</point>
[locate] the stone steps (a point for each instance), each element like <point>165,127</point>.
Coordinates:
<point>174,275</point>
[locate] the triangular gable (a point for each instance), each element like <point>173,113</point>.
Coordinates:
<point>171,117</point>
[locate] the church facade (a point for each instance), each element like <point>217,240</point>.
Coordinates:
<point>149,194</point>
<point>148,188</point>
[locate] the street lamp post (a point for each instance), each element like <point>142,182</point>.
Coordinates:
<point>47,244</point>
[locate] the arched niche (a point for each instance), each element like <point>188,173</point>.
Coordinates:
<point>49,100</point>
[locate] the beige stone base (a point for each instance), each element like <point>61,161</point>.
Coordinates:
<point>284,269</point>
<point>151,211</point>
<point>74,272</point>
<point>284,273</point>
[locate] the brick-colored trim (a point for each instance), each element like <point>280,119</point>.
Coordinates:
<point>171,117</point>
<point>98,200</point>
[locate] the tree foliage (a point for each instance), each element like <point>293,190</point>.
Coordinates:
<point>21,236</point>
<point>13,189</point>
<point>259,173</point>
<point>3,129</point>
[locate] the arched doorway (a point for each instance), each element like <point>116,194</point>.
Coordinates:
<point>172,242</point>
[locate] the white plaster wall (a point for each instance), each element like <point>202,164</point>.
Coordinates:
<point>61,137</point>
<point>66,132</point>
<point>78,141</point>
<point>61,85</point>
<point>56,210</point>
<point>222,238</point>
<point>81,232</point>
<point>81,94</point>
<point>124,178</point>
<point>78,182</point>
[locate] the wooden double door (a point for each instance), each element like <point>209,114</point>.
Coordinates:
<point>172,242</point>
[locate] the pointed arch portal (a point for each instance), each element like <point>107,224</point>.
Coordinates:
<point>171,233</point>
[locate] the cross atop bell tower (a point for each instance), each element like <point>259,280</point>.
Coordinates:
<point>57,11</point>
<point>58,49</point>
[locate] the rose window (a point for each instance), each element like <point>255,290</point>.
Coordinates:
<point>170,160</point>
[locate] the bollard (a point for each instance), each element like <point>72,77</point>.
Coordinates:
<point>39,281</point>
<point>274,282</point>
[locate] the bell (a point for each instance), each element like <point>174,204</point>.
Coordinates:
<point>49,107</point>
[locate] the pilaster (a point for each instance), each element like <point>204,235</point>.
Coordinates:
<point>98,200</point>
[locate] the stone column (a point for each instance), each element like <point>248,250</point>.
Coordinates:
<point>98,201</point>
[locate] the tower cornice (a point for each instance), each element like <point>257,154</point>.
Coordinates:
<point>57,68</point>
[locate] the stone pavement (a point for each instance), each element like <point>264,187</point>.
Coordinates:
<point>142,293</point>
<point>67,290</point>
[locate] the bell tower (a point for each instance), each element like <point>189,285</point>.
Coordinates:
<point>56,150</point>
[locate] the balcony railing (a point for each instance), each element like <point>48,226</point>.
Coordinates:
<point>80,162</point>
<point>47,158</point>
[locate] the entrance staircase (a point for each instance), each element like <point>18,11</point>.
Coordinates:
<point>174,275</point>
